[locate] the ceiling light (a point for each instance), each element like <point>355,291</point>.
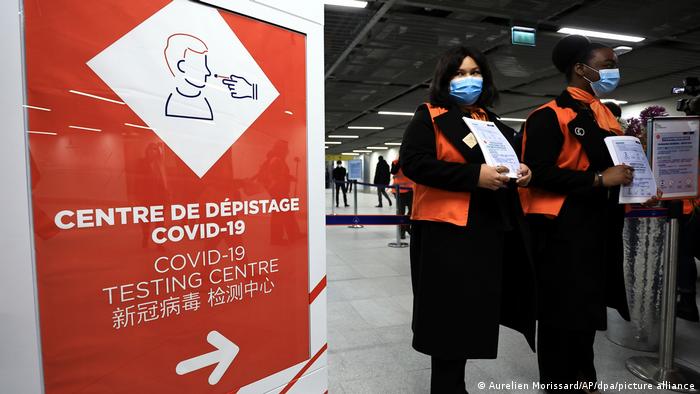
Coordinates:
<point>96,97</point>
<point>289,112</point>
<point>346,3</point>
<point>393,143</point>
<point>34,107</point>
<point>361,151</point>
<point>327,147</point>
<point>600,34</point>
<point>333,142</point>
<point>366,127</point>
<point>395,113</point>
<point>377,147</point>
<point>618,102</point>
<point>84,128</point>
<point>511,119</point>
<point>350,153</point>
<point>137,126</point>
<point>343,136</point>
<point>622,49</point>
<point>41,132</point>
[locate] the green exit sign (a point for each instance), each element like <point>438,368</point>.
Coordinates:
<point>522,36</point>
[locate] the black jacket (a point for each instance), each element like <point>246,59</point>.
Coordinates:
<point>339,173</point>
<point>466,280</point>
<point>579,253</point>
<point>382,175</point>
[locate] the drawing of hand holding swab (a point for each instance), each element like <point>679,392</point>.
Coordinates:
<point>239,87</point>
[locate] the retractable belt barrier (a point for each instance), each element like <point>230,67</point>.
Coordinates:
<point>359,221</point>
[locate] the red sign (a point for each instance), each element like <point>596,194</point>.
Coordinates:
<point>169,190</point>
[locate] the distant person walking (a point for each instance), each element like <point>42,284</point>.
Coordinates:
<point>339,174</point>
<point>382,177</point>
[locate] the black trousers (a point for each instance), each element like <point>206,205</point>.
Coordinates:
<point>338,187</point>
<point>404,201</point>
<point>565,356</point>
<point>381,190</point>
<point>447,376</point>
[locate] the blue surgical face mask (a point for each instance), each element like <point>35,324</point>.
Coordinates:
<point>609,78</point>
<point>466,91</point>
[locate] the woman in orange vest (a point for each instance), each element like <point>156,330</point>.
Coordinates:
<point>572,206</point>
<point>470,269</point>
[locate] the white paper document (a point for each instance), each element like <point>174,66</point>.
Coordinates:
<point>628,150</point>
<point>495,147</point>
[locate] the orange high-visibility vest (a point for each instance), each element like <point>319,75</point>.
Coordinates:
<point>572,157</point>
<point>406,185</point>
<point>435,204</point>
<point>690,203</point>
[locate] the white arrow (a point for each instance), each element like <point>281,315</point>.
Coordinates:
<point>224,355</point>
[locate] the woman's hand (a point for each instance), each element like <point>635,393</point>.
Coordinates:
<point>654,200</point>
<point>491,177</point>
<point>620,174</point>
<point>524,176</point>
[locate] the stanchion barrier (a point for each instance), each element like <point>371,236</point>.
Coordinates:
<point>354,202</point>
<point>398,243</point>
<point>367,220</point>
<point>333,196</point>
<point>662,371</point>
<point>359,221</point>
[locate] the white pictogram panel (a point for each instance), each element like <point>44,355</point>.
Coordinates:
<point>184,72</point>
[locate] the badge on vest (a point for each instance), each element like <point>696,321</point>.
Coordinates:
<point>579,131</point>
<point>470,140</point>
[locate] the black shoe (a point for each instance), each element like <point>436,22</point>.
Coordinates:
<point>336,205</point>
<point>686,308</point>
<point>379,206</point>
<point>347,205</point>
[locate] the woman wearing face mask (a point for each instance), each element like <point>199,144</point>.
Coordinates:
<point>470,269</point>
<point>573,213</point>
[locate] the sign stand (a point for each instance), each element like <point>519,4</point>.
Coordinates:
<point>398,243</point>
<point>662,371</point>
<point>356,224</point>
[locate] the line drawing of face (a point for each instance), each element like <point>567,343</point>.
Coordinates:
<point>187,60</point>
<point>194,66</point>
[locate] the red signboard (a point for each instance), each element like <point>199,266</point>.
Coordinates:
<point>169,191</point>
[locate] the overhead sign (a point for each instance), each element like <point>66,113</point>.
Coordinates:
<point>520,35</point>
<point>339,157</point>
<point>355,170</point>
<point>169,191</point>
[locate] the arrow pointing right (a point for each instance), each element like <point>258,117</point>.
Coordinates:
<point>224,355</point>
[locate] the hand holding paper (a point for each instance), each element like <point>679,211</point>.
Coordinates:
<point>625,150</point>
<point>525,175</point>
<point>495,147</point>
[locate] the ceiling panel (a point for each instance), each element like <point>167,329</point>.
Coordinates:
<point>391,67</point>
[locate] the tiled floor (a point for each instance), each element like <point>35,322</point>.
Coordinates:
<point>369,313</point>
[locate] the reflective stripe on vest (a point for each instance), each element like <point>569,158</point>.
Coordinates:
<point>435,204</point>
<point>572,157</point>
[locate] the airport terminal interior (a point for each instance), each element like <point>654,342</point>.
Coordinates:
<point>168,228</point>
<point>379,64</point>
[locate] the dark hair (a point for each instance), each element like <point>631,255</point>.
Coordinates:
<point>447,68</point>
<point>572,50</point>
<point>614,108</point>
<point>338,162</point>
